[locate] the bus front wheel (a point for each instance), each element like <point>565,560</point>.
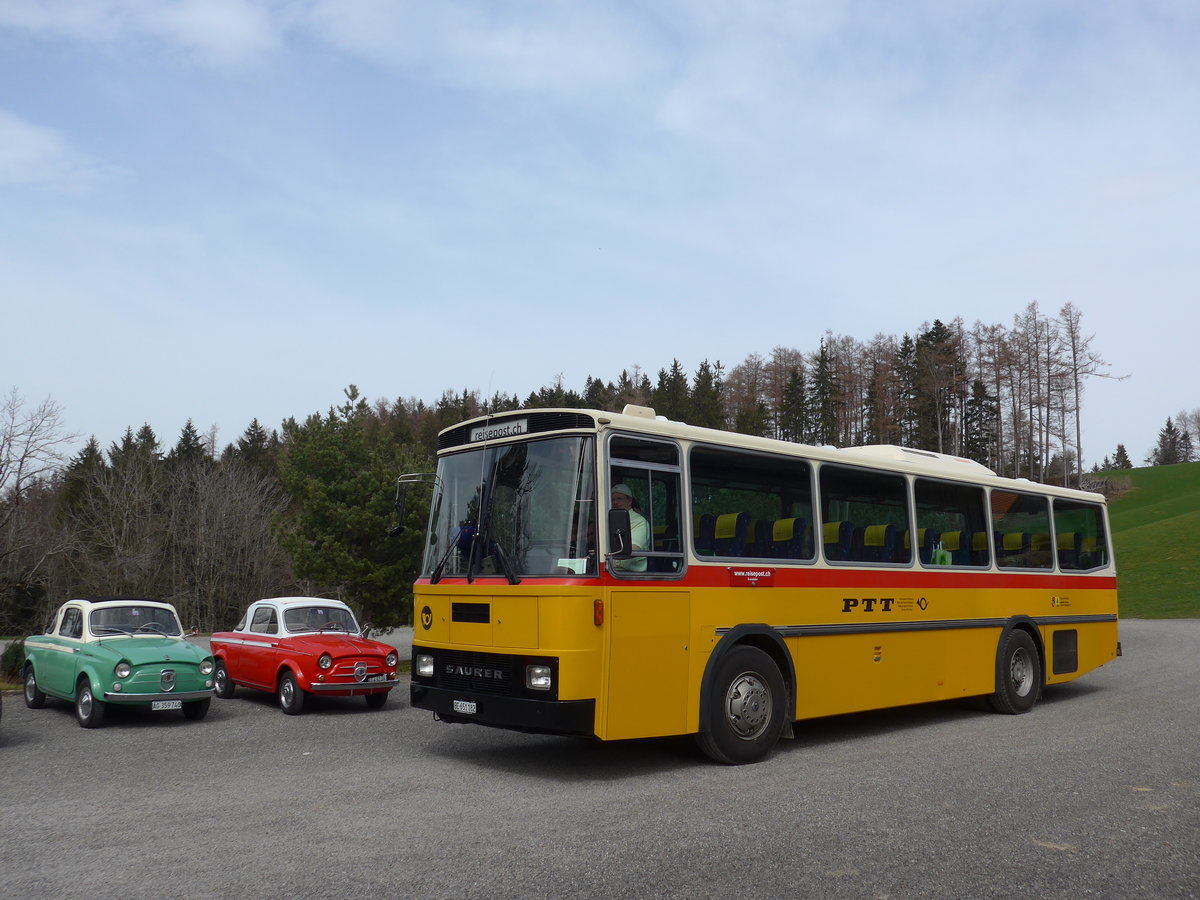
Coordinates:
<point>1018,673</point>
<point>746,708</point>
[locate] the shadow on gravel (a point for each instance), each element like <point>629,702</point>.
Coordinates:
<point>564,759</point>
<point>117,717</point>
<point>315,705</point>
<point>580,760</point>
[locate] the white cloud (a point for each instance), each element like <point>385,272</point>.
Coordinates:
<point>215,31</point>
<point>33,154</point>
<point>545,47</point>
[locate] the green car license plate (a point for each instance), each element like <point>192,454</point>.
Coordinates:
<point>166,704</point>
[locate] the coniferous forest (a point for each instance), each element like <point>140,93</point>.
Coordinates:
<point>306,507</point>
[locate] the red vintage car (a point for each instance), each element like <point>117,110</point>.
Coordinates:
<point>295,646</point>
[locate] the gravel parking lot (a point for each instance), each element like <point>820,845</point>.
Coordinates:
<point>1095,793</point>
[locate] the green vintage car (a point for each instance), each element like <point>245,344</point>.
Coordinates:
<point>126,650</point>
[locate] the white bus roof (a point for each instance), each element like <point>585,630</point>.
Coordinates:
<point>642,419</point>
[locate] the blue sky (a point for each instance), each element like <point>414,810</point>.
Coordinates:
<point>229,209</point>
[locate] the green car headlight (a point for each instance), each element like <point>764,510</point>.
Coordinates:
<point>206,667</point>
<point>123,669</point>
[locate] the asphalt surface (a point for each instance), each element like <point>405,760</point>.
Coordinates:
<point>1095,793</point>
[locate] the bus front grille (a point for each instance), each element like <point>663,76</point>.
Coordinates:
<point>484,673</point>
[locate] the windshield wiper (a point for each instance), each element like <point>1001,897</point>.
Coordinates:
<point>481,540</point>
<point>506,565</point>
<point>436,575</point>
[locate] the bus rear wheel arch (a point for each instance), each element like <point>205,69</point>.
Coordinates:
<point>1019,673</point>
<point>746,708</point>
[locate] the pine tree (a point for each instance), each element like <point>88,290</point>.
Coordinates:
<point>1121,458</point>
<point>190,449</point>
<point>906,376</point>
<point>670,396</point>
<point>336,468</point>
<point>706,400</point>
<point>824,404</point>
<point>81,473</point>
<point>1166,451</point>
<point>756,420</point>
<point>598,395</point>
<point>1187,452</point>
<point>979,425</point>
<point>793,413</point>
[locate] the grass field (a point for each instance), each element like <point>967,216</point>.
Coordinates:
<point>1156,538</point>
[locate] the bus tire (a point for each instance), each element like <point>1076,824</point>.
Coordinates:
<point>746,708</point>
<point>1018,673</point>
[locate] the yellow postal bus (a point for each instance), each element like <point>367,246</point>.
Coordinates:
<point>622,576</point>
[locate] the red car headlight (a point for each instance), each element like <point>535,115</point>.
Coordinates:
<point>325,661</point>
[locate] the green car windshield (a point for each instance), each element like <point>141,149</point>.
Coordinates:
<point>135,620</point>
<point>319,618</point>
<point>516,510</point>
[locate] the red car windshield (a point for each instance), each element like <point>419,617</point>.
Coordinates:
<point>319,618</point>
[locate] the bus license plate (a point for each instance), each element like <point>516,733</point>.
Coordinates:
<point>466,707</point>
<point>166,704</point>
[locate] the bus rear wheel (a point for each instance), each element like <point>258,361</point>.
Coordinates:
<point>1018,673</point>
<point>746,708</point>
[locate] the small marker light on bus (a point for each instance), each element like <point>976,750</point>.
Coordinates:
<point>538,678</point>
<point>598,611</point>
<point>424,663</point>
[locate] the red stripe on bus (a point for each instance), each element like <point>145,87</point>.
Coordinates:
<point>719,576</point>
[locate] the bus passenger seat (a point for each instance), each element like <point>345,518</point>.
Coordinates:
<point>787,539</point>
<point>1069,544</point>
<point>958,543</point>
<point>836,537</point>
<point>1041,555</point>
<point>757,539</point>
<point>980,552</point>
<point>926,538</point>
<point>703,534</point>
<point>729,535</point>
<point>1012,549</point>
<point>879,543</point>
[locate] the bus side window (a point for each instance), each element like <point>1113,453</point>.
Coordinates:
<point>862,511</point>
<point>1017,519</point>
<point>952,523</point>
<point>750,505</point>
<point>644,478</point>
<point>1080,543</point>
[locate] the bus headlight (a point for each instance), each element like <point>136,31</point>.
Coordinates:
<point>424,665</point>
<point>539,678</point>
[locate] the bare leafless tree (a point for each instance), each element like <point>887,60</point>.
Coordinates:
<point>32,444</point>
<point>219,547</point>
<point>32,441</point>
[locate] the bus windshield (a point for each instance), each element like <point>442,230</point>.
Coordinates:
<point>515,510</point>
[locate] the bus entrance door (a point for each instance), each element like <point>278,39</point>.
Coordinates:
<point>648,663</point>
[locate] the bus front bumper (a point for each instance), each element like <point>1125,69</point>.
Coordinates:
<point>577,717</point>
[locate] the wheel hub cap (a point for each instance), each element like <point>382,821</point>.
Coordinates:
<point>748,706</point>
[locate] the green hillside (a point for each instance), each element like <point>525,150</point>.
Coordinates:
<point>1156,538</point>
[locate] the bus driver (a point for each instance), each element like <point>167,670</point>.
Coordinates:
<point>639,528</point>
